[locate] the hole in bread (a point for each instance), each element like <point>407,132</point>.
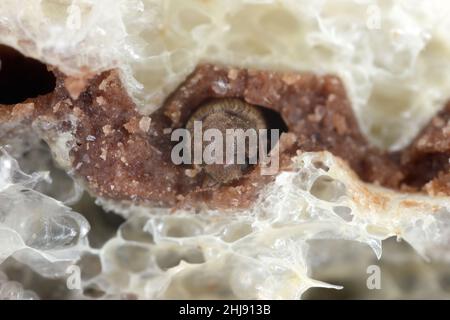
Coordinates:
<point>321,166</point>
<point>93,291</point>
<point>274,120</point>
<point>21,77</point>
<point>134,230</point>
<point>90,266</point>
<point>172,256</point>
<point>133,258</point>
<point>344,212</point>
<point>327,189</point>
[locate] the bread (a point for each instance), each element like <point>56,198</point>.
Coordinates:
<point>361,88</point>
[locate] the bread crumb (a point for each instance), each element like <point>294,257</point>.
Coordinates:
<point>103,154</point>
<point>144,124</point>
<point>107,130</point>
<point>100,100</point>
<point>233,74</point>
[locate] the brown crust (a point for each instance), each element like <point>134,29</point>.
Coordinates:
<point>122,155</point>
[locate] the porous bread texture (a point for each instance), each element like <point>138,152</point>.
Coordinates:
<point>393,72</point>
<point>391,55</point>
<point>12,290</point>
<point>269,244</point>
<point>36,229</point>
<point>160,255</point>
